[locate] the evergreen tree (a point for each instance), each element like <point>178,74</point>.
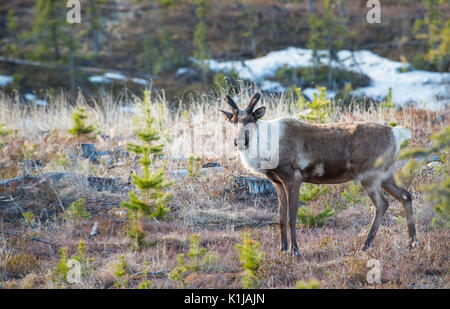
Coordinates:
<point>80,128</point>
<point>10,46</point>
<point>436,30</point>
<point>48,29</point>
<point>151,198</point>
<point>160,54</point>
<point>252,25</point>
<point>439,193</point>
<point>201,52</point>
<point>53,37</point>
<point>250,257</point>
<point>95,27</point>
<point>326,32</point>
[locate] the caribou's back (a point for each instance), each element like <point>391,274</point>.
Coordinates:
<point>335,152</point>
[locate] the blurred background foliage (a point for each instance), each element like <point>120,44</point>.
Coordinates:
<point>152,39</point>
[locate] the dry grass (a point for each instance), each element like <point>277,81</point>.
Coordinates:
<point>208,205</point>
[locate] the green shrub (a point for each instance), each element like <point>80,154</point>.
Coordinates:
<point>304,77</point>
<point>310,191</point>
<point>4,132</point>
<point>80,128</point>
<point>250,257</point>
<point>61,269</point>
<point>352,194</point>
<point>77,210</point>
<point>311,284</point>
<point>29,218</point>
<point>197,259</point>
<point>310,218</point>
<point>193,167</point>
<point>178,273</point>
<point>438,193</point>
<point>321,107</point>
<point>121,272</point>
<point>200,258</point>
<point>59,273</point>
<point>145,284</point>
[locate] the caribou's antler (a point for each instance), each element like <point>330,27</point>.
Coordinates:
<point>231,102</point>
<point>253,102</point>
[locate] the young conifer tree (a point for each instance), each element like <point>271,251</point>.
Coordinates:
<point>80,128</point>
<point>438,194</point>
<point>150,199</point>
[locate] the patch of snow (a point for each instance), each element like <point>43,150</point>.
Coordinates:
<point>428,89</point>
<point>41,103</point>
<point>269,85</point>
<point>99,79</point>
<point>5,80</point>
<point>117,76</point>
<point>107,77</point>
<point>309,93</point>
<point>128,109</point>
<point>140,81</point>
<point>32,98</point>
<point>182,71</point>
<point>29,97</point>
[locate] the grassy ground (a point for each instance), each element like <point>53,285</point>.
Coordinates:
<point>210,205</point>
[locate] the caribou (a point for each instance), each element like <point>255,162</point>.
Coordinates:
<point>289,151</point>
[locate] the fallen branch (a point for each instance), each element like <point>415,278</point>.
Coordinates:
<point>30,238</point>
<point>151,273</point>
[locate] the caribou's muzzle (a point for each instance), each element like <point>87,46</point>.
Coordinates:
<point>242,143</point>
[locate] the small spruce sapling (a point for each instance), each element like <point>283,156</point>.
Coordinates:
<point>77,210</point>
<point>307,215</point>
<point>178,273</point>
<point>151,197</point>
<point>4,132</point>
<point>321,107</point>
<point>250,256</point>
<point>121,272</point>
<point>352,194</point>
<point>80,128</point>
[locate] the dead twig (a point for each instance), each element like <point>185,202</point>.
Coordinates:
<point>29,238</point>
<point>151,273</point>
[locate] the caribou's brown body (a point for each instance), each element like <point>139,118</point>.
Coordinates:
<point>325,154</point>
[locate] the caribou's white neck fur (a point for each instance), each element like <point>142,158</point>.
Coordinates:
<point>262,152</point>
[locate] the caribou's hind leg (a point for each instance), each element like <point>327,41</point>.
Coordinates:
<point>404,197</point>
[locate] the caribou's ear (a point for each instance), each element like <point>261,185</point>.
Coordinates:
<point>227,114</point>
<point>259,113</point>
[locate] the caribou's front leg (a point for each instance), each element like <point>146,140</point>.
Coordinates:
<point>293,201</point>
<point>381,205</point>
<point>282,215</point>
<point>282,209</point>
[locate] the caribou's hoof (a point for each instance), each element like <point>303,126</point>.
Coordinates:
<point>366,246</point>
<point>295,252</point>
<point>414,244</point>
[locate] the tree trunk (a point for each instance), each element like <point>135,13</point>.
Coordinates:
<point>330,56</point>
<point>55,43</point>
